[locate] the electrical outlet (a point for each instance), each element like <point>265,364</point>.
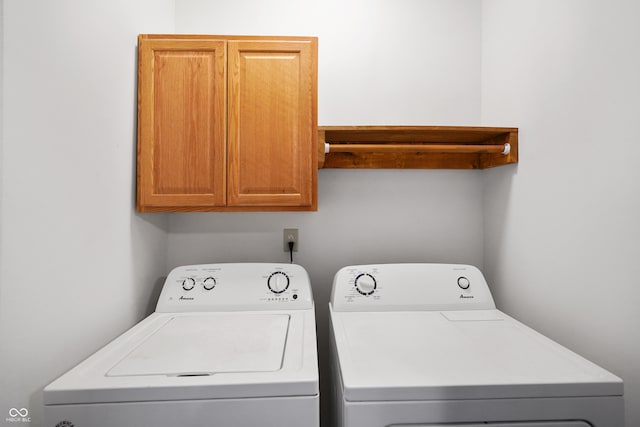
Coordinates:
<point>290,235</point>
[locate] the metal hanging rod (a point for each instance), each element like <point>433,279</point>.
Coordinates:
<point>422,148</point>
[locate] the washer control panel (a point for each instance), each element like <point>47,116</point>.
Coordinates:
<point>235,287</point>
<point>404,287</point>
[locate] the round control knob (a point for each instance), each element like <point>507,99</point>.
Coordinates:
<point>463,282</point>
<point>188,284</point>
<point>278,282</point>
<point>365,284</point>
<point>209,283</point>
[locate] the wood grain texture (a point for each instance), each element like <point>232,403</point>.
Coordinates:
<point>181,123</point>
<point>183,97</point>
<point>394,147</point>
<point>272,130</point>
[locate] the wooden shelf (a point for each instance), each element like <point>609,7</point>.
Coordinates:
<point>416,147</point>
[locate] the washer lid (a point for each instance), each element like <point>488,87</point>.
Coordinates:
<point>478,354</point>
<point>199,345</point>
<point>186,356</point>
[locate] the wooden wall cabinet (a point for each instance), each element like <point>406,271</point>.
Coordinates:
<point>227,123</point>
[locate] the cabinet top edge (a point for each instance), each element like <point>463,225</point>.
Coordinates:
<point>224,37</point>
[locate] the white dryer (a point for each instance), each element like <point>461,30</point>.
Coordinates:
<point>423,345</point>
<point>229,345</point>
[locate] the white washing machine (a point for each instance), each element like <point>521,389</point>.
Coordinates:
<point>229,345</point>
<point>423,345</point>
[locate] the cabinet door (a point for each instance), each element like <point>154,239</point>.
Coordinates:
<point>182,123</point>
<point>272,123</point>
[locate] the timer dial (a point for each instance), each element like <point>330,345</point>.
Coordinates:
<point>278,282</point>
<point>209,283</point>
<point>188,284</point>
<point>365,284</point>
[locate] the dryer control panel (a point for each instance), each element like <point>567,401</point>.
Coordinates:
<point>236,287</point>
<point>405,287</point>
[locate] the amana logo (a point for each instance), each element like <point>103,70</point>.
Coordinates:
<point>64,424</point>
<point>466,296</point>
<point>183,298</point>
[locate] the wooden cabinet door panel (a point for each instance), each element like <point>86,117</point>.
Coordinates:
<point>182,129</point>
<point>271,123</point>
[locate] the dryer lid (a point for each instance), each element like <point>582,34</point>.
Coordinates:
<point>478,354</point>
<point>206,345</point>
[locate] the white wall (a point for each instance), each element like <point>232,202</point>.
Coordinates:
<point>562,229</point>
<point>380,62</point>
<point>78,266</point>
<point>1,127</point>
